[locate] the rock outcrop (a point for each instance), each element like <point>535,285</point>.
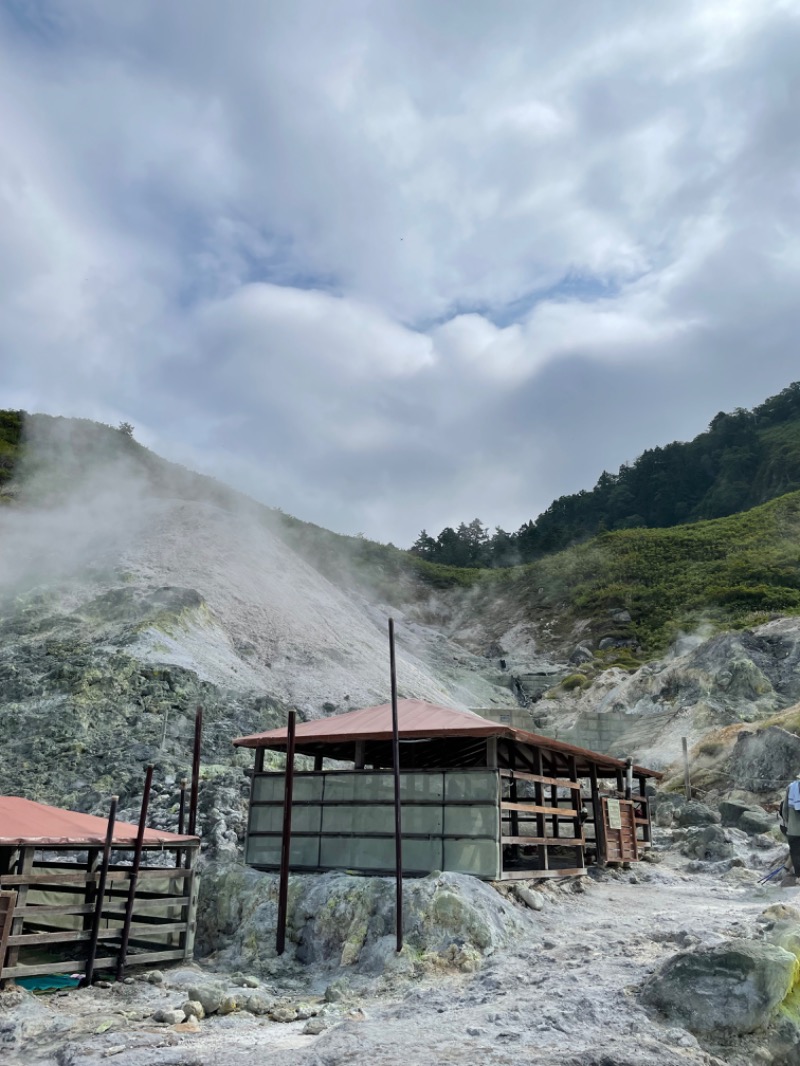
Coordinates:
<point>343,922</point>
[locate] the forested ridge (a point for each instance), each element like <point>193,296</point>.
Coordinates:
<point>744,459</point>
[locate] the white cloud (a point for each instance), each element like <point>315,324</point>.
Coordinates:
<point>236,226</point>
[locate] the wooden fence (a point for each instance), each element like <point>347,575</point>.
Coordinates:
<point>47,909</point>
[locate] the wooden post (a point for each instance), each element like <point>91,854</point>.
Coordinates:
<point>286,839</point>
<point>101,891</point>
<point>516,851</point>
<point>687,781</point>
<point>90,893</point>
<point>538,792</point>
<point>7,903</point>
<point>398,821</point>
<point>198,735</point>
<point>491,752</point>
<point>24,866</point>
<point>597,810</point>
<point>628,778</point>
<point>137,859</point>
<point>648,829</point>
<point>191,890</point>
<point>576,803</point>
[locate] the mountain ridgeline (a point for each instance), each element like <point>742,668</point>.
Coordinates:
<point>744,459</point>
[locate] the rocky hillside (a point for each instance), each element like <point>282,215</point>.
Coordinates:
<point>132,590</point>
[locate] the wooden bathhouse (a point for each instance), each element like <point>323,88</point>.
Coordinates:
<point>49,905</point>
<point>477,797</point>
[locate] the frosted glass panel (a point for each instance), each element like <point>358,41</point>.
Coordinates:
<point>460,803</point>
<point>266,851</point>
<point>478,857</point>
<point>344,819</point>
<point>270,820</point>
<point>471,821</point>
<point>379,788</point>
<point>269,788</point>
<point>422,855</point>
<point>478,786</point>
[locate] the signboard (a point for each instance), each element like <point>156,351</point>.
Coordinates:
<point>614,814</point>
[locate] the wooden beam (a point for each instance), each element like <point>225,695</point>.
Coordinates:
<point>557,782</point>
<point>551,841</point>
<point>536,875</point>
<point>599,825</point>
<point>539,809</point>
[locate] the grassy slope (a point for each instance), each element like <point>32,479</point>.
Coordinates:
<point>730,572</point>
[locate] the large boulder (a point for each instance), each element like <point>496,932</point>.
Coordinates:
<point>709,843</point>
<point>764,761</point>
<point>757,821</point>
<point>731,811</point>
<point>336,920</point>
<point>734,987</point>
<point>694,813</point>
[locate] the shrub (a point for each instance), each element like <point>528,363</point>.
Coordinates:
<point>574,681</point>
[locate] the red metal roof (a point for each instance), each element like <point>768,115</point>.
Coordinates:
<point>23,821</point>
<point>416,720</point>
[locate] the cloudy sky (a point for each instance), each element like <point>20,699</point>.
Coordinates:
<point>389,264</point>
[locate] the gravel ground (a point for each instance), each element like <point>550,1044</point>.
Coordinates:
<point>567,995</point>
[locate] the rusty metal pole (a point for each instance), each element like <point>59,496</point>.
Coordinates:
<point>687,780</point>
<point>137,859</point>
<point>198,735</point>
<point>181,820</point>
<point>286,839</point>
<point>101,891</point>
<point>628,778</point>
<point>398,826</point>
<point>182,808</point>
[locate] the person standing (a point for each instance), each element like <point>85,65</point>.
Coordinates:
<point>789,814</point>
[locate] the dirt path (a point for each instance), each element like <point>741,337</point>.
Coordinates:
<point>567,995</point>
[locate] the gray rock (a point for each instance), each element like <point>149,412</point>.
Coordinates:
<point>734,987</point>
<point>664,816</point>
<point>25,1022</point>
<point>694,813</point>
<point>530,897</point>
<point>283,1014</point>
<point>155,977</point>
<point>581,654</point>
<point>766,760</point>
<point>169,1016</point>
<point>757,821</point>
<point>732,810</point>
<point>315,1026</point>
<point>338,991</point>
<point>192,1009</point>
<point>708,843</point>
<point>208,995</point>
<point>229,1004</point>
<point>258,1003</point>
<point>339,921</point>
